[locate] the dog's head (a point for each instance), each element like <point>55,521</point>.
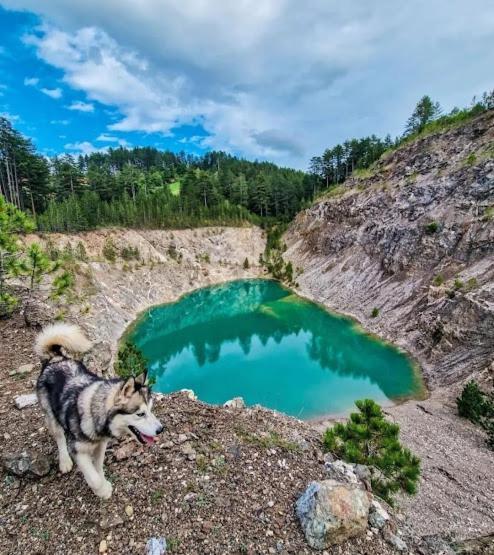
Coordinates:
<point>133,416</point>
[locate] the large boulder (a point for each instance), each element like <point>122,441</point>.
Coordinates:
<point>331,512</point>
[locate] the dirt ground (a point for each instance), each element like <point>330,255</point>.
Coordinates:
<point>218,481</point>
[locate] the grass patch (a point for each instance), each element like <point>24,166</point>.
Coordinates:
<point>335,192</point>
<point>488,214</point>
<point>175,188</point>
<point>268,441</point>
<point>363,173</point>
<point>375,312</point>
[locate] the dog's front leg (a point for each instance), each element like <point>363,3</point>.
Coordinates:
<point>101,487</point>
<point>99,457</point>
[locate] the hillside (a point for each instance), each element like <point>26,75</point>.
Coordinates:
<point>414,238</point>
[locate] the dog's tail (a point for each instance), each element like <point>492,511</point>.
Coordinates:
<point>67,336</point>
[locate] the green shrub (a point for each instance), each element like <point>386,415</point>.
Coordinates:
<point>369,439</point>
<point>438,280</point>
<point>375,312</point>
<point>130,361</point>
<point>431,228</point>
<point>80,252</point>
<point>458,284</point>
<point>471,284</point>
<point>246,264</point>
<point>109,250</point>
<point>471,159</point>
<point>474,404</point>
<point>129,253</point>
<point>62,284</point>
<point>488,214</point>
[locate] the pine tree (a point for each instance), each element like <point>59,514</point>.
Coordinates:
<point>130,361</point>
<point>369,439</point>
<point>425,111</point>
<point>12,222</point>
<point>34,266</point>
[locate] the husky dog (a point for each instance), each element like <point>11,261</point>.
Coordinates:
<point>84,411</point>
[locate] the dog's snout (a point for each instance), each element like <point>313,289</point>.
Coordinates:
<point>160,430</point>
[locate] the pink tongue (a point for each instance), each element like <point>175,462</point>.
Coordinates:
<point>147,439</point>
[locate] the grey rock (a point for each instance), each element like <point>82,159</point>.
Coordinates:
<point>27,400</point>
<point>156,546</point>
<point>342,471</point>
<point>396,542</point>
<point>331,512</point>
<point>377,515</point>
<point>189,451</point>
<point>26,464</point>
<point>25,369</point>
<point>111,521</point>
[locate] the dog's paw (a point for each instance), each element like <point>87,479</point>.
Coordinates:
<point>66,465</point>
<point>105,490</point>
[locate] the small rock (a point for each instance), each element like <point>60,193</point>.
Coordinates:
<point>235,403</point>
<point>189,393</point>
<point>27,400</point>
<point>129,511</point>
<point>342,471</point>
<point>269,533</point>
<point>25,369</point>
<point>124,451</point>
<point>331,512</point>
<point>103,546</point>
<point>396,542</point>
<point>22,464</point>
<point>111,521</point>
<point>377,515</point>
<point>188,451</point>
<point>156,546</point>
<point>182,438</point>
<point>166,445</point>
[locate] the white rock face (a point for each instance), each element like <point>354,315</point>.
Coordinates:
<point>27,400</point>
<point>331,512</point>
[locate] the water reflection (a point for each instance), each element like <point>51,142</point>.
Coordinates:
<point>256,330</point>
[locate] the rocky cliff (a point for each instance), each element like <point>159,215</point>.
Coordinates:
<point>413,238</point>
<point>149,267</point>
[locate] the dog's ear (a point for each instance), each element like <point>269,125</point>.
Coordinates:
<point>128,387</point>
<point>142,379</point>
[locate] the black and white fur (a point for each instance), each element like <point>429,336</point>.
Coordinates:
<point>84,411</point>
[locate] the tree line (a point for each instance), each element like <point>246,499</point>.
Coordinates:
<point>339,162</point>
<point>133,187</point>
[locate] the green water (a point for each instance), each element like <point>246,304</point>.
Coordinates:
<point>257,340</point>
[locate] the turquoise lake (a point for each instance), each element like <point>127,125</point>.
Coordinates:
<point>257,340</point>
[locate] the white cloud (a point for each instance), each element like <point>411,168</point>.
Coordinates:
<point>31,81</point>
<point>81,106</point>
<point>11,117</point>
<point>52,93</point>
<point>60,122</point>
<point>84,147</point>
<point>267,78</point>
<point>103,137</point>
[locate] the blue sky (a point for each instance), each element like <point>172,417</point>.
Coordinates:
<point>278,79</point>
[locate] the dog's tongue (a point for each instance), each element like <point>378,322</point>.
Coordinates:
<point>147,439</point>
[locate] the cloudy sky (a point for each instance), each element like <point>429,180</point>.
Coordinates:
<point>275,79</point>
